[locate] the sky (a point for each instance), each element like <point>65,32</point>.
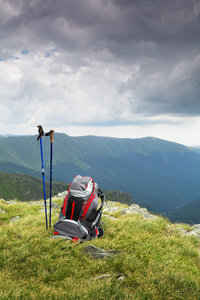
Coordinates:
<point>118,68</point>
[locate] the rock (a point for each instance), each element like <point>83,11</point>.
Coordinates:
<point>182,230</point>
<point>98,253</point>
<point>35,203</point>
<point>11,202</point>
<point>121,278</point>
<point>194,232</point>
<point>14,219</point>
<point>60,195</point>
<point>110,209</point>
<point>196,226</point>
<point>53,205</point>
<point>135,208</point>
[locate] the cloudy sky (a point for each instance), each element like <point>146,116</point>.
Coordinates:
<point>119,68</point>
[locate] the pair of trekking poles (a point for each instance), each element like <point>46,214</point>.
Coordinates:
<point>41,134</point>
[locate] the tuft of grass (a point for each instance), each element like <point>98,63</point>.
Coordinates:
<point>152,261</point>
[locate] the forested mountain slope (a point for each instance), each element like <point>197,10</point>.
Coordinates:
<point>163,174</point>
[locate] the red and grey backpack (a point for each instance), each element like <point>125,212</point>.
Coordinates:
<point>79,216</point>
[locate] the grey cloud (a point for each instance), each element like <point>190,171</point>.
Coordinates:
<point>172,90</point>
<point>162,38</point>
<point>120,26</point>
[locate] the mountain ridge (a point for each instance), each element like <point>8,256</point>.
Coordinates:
<point>161,173</point>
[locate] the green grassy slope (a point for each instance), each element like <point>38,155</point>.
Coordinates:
<point>26,188</point>
<point>152,259</point>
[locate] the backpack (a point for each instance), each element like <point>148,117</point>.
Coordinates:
<point>79,215</point>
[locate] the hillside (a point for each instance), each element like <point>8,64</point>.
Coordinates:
<point>26,188</point>
<point>139,257</point>
<point>163,174</point>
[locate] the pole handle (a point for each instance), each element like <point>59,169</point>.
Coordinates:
<point>51,136</point>
<point>40,131</point>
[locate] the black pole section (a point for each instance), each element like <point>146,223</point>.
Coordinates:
<point>41,134</point>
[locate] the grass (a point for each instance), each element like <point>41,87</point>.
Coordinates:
<point>154,261</point>
<point>25,187</point>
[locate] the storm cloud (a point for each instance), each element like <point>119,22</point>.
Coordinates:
<point>99,62</point>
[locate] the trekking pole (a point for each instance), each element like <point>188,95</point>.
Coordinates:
<point>51,159</point>
<point>41,134</point>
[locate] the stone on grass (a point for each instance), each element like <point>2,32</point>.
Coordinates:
<point>135,208</point>
<point>121,278</point>
<point>14,219</point>
<point>98,253</point>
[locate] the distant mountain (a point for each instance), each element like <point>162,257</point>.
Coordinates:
<point>189,213</point>
<point>163,174</point>
<point>197,149</point>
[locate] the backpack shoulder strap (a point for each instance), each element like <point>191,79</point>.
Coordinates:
<point>65,202</point>
<point>99,211</point>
